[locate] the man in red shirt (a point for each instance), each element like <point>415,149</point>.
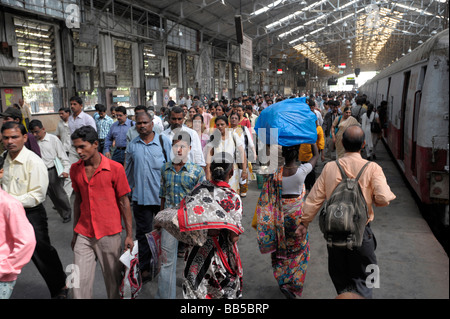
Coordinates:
<point>101,187</point>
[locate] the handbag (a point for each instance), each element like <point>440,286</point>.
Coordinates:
<point>375,127</point>
<point>131,283</point>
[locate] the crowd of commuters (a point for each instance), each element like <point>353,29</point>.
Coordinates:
<point>122,168</point>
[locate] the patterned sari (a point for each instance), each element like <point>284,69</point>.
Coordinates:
<point>213,270</point>
<point>277,219</point>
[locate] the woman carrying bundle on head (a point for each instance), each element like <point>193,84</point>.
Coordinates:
<point>278,214</point>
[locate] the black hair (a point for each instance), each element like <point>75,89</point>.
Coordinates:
<point>34,123</point>
<point>76,99</point>
<point>353,142</point>
<point>139,114</point>
<point>221,165</point>
<point>65,109</point>
<point>121,109</point>
<point>100,108</point>
<point>1,162</point>
<point>223,118</point>
<point>176,109</point>
<point>11,124</point>
<point>198,115</point>
<point>87,134</point>
<point>182,136</point>
<point>290,152</point>
<point>140,107</point>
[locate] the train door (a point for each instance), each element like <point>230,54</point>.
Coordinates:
<point>406,77</point>
<point>416,114</point>
<point>388,114</point>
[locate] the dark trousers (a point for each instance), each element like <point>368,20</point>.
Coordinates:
<point>45,256</point>
<point>58,194</point>
<point>143,216</point>
<point>347,268</point>
<point>119,155</point>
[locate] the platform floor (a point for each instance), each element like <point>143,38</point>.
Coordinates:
<point>412,263</point>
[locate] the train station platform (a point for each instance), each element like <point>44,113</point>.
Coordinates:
<point>412,263</point>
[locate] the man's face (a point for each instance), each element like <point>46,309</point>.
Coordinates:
<point>121,117</point>
<point>176,120</point>
<point>185,110</point>
<point>64,115</point>
<point>102,114</point>
<point>144,125</point>
<point>14,140</point>
<point>180,150</point>
<point>85,149</point>
<point>39,133</point>
<point>76,107</point>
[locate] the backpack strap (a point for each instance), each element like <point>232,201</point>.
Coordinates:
<point>344,176</point>
<point>162,146</point>
<point>361,171</point>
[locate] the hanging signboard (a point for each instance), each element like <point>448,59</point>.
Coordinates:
<point>247,54</point>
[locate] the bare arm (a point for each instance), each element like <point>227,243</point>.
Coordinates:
<point>125,211</point>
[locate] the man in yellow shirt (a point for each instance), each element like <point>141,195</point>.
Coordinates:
<point>26,179</point>
<point>305,154</point>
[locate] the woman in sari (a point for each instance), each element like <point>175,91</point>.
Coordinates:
<point>213,270</point>
<point>341,123</point>
<point>278,214</point>
<point>224,139</point>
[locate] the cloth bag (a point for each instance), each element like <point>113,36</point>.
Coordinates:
<point>168,219</point>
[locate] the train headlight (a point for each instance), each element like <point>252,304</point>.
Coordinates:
<point>439,185</point>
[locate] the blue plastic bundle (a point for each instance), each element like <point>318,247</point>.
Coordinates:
<point>294,120</point>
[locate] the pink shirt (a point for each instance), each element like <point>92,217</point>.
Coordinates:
<point>372,182</point>
<point>17,239</point>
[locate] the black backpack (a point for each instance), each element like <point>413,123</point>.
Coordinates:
<point>344,215</point>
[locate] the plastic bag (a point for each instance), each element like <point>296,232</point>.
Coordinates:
<point>131,275</point>
<point>293,119</point>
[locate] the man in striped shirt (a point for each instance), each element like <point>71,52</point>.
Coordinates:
<point>103,122</point>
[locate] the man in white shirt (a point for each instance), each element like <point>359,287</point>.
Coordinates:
<point>54,158</point>
<point>176,119</point>
<point>63,133</point>
<point>78,117</point>
<point>26,179</point>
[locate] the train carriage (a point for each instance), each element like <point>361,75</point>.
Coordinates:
<point>416,88</point>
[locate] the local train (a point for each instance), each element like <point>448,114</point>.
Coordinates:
<point>416,89</point>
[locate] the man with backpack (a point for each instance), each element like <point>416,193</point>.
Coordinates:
<point>346,216</point>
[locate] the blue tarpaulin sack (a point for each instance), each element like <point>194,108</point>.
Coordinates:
<point>293,118</point>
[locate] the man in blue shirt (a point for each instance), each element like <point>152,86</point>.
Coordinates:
<point>118,134</point>
<point>104,123</point>
<point>178,178</point>
<point>144,158</point>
